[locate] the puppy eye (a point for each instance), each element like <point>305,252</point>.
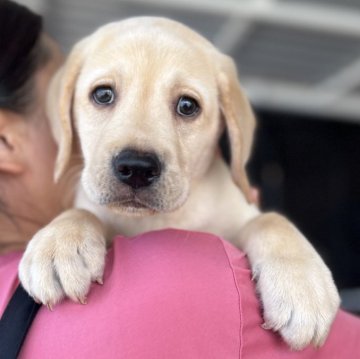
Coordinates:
<point>187,106</point>
<point>103,95</point>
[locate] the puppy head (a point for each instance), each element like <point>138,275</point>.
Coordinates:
<point>148,98</point>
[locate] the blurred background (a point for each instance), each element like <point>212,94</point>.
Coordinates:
<point>299,62</point>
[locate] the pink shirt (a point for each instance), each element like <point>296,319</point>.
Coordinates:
<point>168,294</point>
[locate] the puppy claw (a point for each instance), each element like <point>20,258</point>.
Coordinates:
<point>50,307</point>
<point>37,301</point>
<point>254,274</point>
<point>272,326</point>
<point>266,326</point>
<point>99,281</point>
<point>81,300</point>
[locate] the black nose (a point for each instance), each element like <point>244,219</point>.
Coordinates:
<point>136,169</point>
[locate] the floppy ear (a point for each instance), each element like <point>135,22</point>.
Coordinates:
<point>60,106</point>
<point>239,120</point>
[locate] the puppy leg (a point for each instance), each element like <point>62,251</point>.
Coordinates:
<point>298,294</point>
<point>64,257</point>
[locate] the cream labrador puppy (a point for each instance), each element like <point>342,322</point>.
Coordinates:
<point>145,101</point>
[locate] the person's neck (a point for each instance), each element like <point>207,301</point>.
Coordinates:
<point>15,233</point>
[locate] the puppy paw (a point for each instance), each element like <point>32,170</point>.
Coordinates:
<point>63,259</point>
<point>299,299</point>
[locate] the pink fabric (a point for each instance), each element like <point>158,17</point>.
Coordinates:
<point>168,294</point>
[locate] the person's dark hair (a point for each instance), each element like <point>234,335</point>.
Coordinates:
<point>21,54</point>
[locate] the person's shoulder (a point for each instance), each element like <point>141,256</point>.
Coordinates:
<point>197,275</point>
<point>183,247</point>
<point>166,294</point>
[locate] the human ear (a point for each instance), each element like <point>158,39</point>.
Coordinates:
<point>11,161</point>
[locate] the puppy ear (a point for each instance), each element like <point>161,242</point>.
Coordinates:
<point>239,120</point>
<point>60,106</point>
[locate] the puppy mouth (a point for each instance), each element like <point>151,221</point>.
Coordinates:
<point>131,204</point>
<point>162,197</point>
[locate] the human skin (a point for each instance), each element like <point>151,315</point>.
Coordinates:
<point>29,196</point>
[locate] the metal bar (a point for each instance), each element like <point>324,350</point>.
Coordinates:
<point>231,34</point>
<point>302,99</point>
<point>321,18</point>
<point>345,80</point>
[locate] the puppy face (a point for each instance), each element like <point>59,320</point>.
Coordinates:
<point>145,98</point>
